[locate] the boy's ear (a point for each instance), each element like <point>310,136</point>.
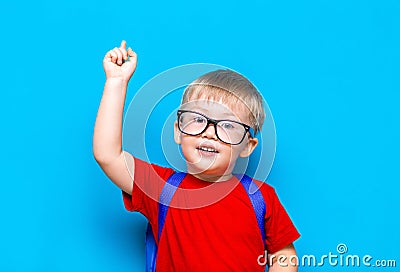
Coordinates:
<point>248,149</point>
<point>177,133</point>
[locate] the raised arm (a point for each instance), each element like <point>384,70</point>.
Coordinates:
<point>284,260</point>
<point>119,65</point>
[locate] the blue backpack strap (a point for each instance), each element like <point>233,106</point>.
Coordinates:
<point>257,200</point>
<point>151,250</point>
<point>166,195</point>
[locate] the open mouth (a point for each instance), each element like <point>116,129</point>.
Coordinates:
<point>207,149</point>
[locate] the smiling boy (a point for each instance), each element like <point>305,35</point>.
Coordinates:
<point>210,224</point>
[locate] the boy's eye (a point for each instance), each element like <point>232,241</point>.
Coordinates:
<point>199,120</point>
<point>226,125</point>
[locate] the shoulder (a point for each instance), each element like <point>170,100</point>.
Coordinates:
<point>267,191</point>
<point>264,187</point>
<point>280,230</point>
<point>149,179</point>
<point>145,170</point>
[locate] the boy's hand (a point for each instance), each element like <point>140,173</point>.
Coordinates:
<point>120,63</point>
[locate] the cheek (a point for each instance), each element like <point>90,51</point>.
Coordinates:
<point>230,154</point>
<point>239,149</point>
<point>187,145</point>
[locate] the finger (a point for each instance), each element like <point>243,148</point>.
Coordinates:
<point>107,57</point>
<point>124,53</point>
<point>131,53</point>
<point>119,55</point>
<point>114,56</point>
<point>123,44</point>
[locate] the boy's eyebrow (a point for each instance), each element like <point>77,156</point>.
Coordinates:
<point>207,111</point>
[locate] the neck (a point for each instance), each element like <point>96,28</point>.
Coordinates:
<point>212,178</point>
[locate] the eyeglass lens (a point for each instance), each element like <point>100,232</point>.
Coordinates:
<point>227,131</point>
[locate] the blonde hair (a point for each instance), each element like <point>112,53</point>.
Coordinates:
<point>228,87</point>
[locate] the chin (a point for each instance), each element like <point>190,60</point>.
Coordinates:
<point>207,169</point>
<point>198,163</point>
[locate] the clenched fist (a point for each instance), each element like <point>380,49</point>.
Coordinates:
<point>120,62</point>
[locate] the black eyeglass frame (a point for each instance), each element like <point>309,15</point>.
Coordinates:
<point>247,128</point>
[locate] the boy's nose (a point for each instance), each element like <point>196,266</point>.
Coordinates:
<point>210,132</point>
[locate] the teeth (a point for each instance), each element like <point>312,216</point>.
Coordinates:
<point>207,149</point>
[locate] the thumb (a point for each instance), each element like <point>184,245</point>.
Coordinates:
<point>132,55</point>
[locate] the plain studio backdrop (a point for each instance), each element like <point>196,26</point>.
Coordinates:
<point>329,71</point>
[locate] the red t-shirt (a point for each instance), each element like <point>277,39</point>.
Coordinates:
<point>210,226</point>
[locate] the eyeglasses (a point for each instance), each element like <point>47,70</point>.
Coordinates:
<point>227,131</point>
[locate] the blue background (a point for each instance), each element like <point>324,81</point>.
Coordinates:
<point>328,69</point>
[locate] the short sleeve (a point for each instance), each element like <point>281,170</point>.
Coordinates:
<point>148,181</point>
<point>279,228</point>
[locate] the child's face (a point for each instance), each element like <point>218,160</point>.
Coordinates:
<point>208,157</point>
